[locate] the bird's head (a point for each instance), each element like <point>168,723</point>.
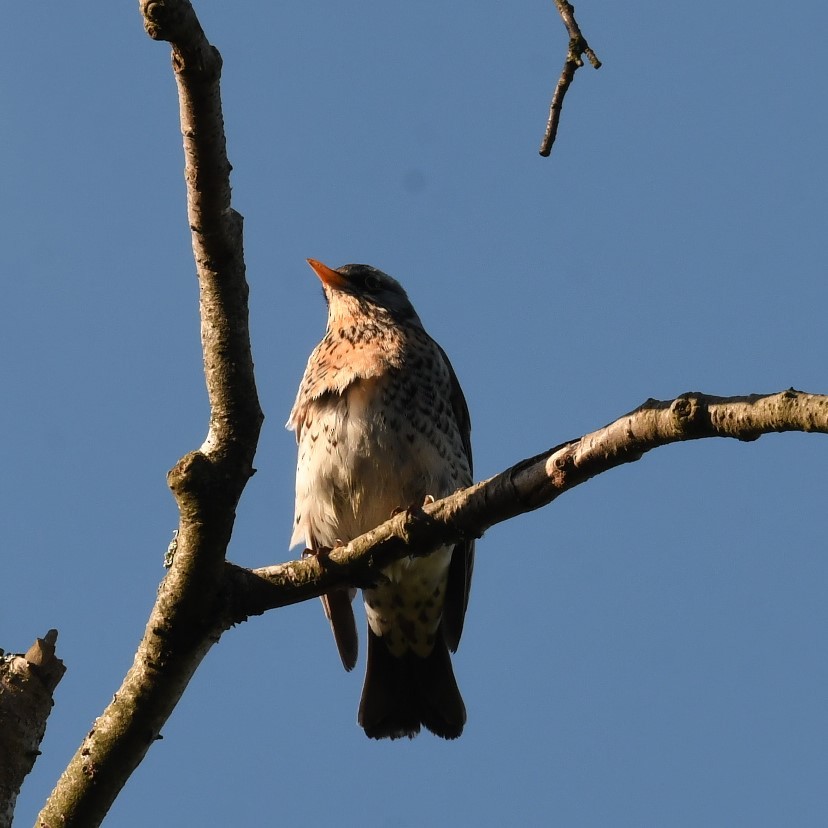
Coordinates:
<point>363,289</point>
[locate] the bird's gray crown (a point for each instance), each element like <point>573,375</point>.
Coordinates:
<point>374,287</point>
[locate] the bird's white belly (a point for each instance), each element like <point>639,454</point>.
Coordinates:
<point>353,472</point>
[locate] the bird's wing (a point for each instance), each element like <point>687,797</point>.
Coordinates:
<point>462,559</point>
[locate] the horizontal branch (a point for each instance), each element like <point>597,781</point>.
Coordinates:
<point>526,486</point>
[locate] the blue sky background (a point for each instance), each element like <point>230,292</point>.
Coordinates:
<point>651,649</point>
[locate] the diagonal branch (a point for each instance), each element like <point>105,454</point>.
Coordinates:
<point>577,46</point>
<point>524,487</point>
<point>207,483</point>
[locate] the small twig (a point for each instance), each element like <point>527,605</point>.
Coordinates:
<point>577,46</point>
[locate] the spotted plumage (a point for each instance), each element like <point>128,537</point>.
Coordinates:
<point>382,424</point>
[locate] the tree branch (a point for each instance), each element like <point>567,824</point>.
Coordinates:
<point>577,46</point>
<point>524,487</point>
<point>27,683</point>
<point>202,594</point>
<point>207,483</point>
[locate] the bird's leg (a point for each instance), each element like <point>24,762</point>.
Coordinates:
<point>414,507</point>
<point>323,553</point>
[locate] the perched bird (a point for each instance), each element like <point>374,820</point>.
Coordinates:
<point>382,424</point>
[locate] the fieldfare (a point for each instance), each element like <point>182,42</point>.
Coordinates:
<point>382,424</point>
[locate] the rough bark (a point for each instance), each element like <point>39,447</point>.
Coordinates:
<point>207,483</point>
<point>528,485</point>
<point>27,683</point>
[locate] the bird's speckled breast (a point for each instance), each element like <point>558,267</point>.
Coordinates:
<point>389,441</point>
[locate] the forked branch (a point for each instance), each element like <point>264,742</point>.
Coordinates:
<point>208,482</point>
<point>577,46</point>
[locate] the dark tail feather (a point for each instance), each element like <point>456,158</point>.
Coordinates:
<point>340,613</point>
<point>400,694</point>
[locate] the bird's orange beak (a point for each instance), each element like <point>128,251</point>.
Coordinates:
<point>329,277</point>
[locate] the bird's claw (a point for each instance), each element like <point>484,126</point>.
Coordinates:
<point>322,552</point>
<point>414,507</point>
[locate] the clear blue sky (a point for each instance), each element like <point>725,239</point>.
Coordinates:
<point>650,650</point>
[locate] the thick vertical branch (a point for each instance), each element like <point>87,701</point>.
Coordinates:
<point>26,686</point>
<point>207,483</point>
<point>235,415</point>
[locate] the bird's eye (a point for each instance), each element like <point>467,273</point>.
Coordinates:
<point>372,282</point>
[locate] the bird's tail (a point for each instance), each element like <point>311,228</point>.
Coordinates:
<point>340,613</point>
<point>402,693</point>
